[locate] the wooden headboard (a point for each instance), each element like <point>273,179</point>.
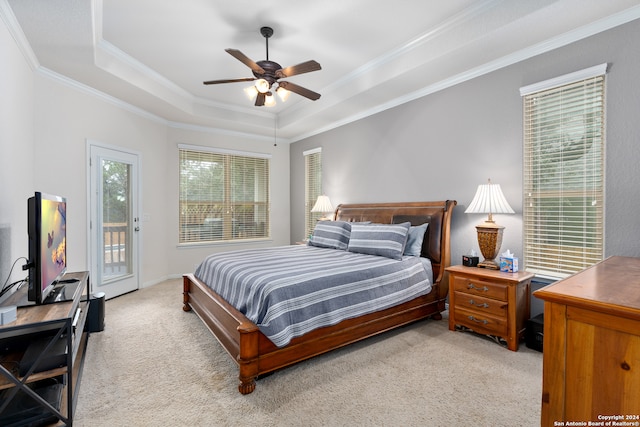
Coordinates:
<point>436,244</point>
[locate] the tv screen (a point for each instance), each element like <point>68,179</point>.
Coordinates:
<point>47,216</point>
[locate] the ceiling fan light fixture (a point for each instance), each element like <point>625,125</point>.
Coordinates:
<point>269,100</point>
<point>267,75</point>
<point>283,93</point>
<point>251,92</point>
<point>262,85</point>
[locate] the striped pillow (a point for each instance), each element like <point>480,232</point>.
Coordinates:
<point>386,240</point>
<point>331,234</point>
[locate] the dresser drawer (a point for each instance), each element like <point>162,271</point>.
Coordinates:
<point>481,322</point>
<point>481,304</point>
<point>480,287</point>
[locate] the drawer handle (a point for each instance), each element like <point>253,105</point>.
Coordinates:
<point>483,321</point>
<point>472,286</point>
<point>483,305</point>
<point>76,318</point>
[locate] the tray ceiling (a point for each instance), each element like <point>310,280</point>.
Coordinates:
<point>153,55</point>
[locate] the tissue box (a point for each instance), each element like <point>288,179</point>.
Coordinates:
<point>470,261</point>
<point>509,265</point>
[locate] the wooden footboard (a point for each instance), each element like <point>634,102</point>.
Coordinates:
<point>256,355</point>
<point>237,334</point>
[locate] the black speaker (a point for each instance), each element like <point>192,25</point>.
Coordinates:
<point>95,319</point>
<point>534,334</point>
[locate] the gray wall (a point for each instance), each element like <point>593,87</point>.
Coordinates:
<point>443,145</point>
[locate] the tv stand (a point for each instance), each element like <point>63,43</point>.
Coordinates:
<point>62,320</point>
<point>63,292</point>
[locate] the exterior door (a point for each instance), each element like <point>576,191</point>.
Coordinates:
<point>114,225</point>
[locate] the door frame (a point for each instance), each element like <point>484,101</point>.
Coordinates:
<point>136,204</point>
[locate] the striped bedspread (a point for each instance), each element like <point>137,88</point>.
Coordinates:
<point>288,291</point>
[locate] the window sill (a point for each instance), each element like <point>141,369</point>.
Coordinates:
<point>217,244</point>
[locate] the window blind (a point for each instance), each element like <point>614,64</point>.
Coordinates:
<point>563,179</point>
<point>313,187</point>
<point>223,196</point>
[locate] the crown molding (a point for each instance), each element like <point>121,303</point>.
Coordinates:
<point>189,103</point>
<point>87,90</point>
<point>519,56</point>
<point>227,132</point>
<point>9,19</point>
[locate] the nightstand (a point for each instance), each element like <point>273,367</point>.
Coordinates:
<point>489,302</point>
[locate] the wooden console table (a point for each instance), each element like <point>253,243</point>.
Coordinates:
<point>591,358</point>
<point>61,320</point>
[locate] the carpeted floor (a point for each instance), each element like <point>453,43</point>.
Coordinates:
<point>155,365</point>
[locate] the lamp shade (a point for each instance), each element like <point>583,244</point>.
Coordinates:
<point>269,100</point>
<point>283,93</point>
<point>489,199</point>
<point>323,204</point>
<point>262,85</point>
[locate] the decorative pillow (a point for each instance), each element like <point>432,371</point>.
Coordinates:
<point>331,234</point>
<point>386,240</point>
<point>414,240</point>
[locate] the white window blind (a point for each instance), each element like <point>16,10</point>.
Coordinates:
<point>564,177</point>
<point>313,187</point>
<point>223,196</point>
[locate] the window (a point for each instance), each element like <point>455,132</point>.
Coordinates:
<point>224,195</point>
<point>312,187</point>
<point>564,173</point>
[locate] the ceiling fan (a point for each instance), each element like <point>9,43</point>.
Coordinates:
<point>268,74</point>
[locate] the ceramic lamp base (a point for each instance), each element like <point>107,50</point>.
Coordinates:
<point>490,241</point>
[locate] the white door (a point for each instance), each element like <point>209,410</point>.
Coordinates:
<point>114,221</point>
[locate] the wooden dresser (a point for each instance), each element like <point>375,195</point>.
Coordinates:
<point>489,302</point>
<point>591,359</point>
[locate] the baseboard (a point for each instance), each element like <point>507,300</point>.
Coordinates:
<point>161,279</point>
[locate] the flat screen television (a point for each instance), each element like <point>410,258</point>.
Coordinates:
<point>47,228</point>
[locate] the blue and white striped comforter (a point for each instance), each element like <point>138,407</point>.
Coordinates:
<point>288,291</point>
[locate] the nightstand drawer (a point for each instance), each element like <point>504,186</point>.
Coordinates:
<point>481,322</point>
<point>480,287</point>
<point>481,304</point>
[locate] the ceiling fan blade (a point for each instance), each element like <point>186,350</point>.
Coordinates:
<point>245,60</point>
<point>260,99</point>
<point>305,67</point>
<point>215,82</point>
<point>292,87</point>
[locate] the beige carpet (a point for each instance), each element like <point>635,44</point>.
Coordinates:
<point>155,365</point>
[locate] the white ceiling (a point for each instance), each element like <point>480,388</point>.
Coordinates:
<point>154,55</point>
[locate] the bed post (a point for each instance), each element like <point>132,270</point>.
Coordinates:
<point>185,294</point>
<point>445,245</point>
<point>442,280</point>
<point>248,358</point>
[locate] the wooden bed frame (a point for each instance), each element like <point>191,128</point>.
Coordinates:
<point>257,355</point>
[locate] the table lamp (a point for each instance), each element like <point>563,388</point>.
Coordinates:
<point>489,199</point>
<point>323,205</point>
